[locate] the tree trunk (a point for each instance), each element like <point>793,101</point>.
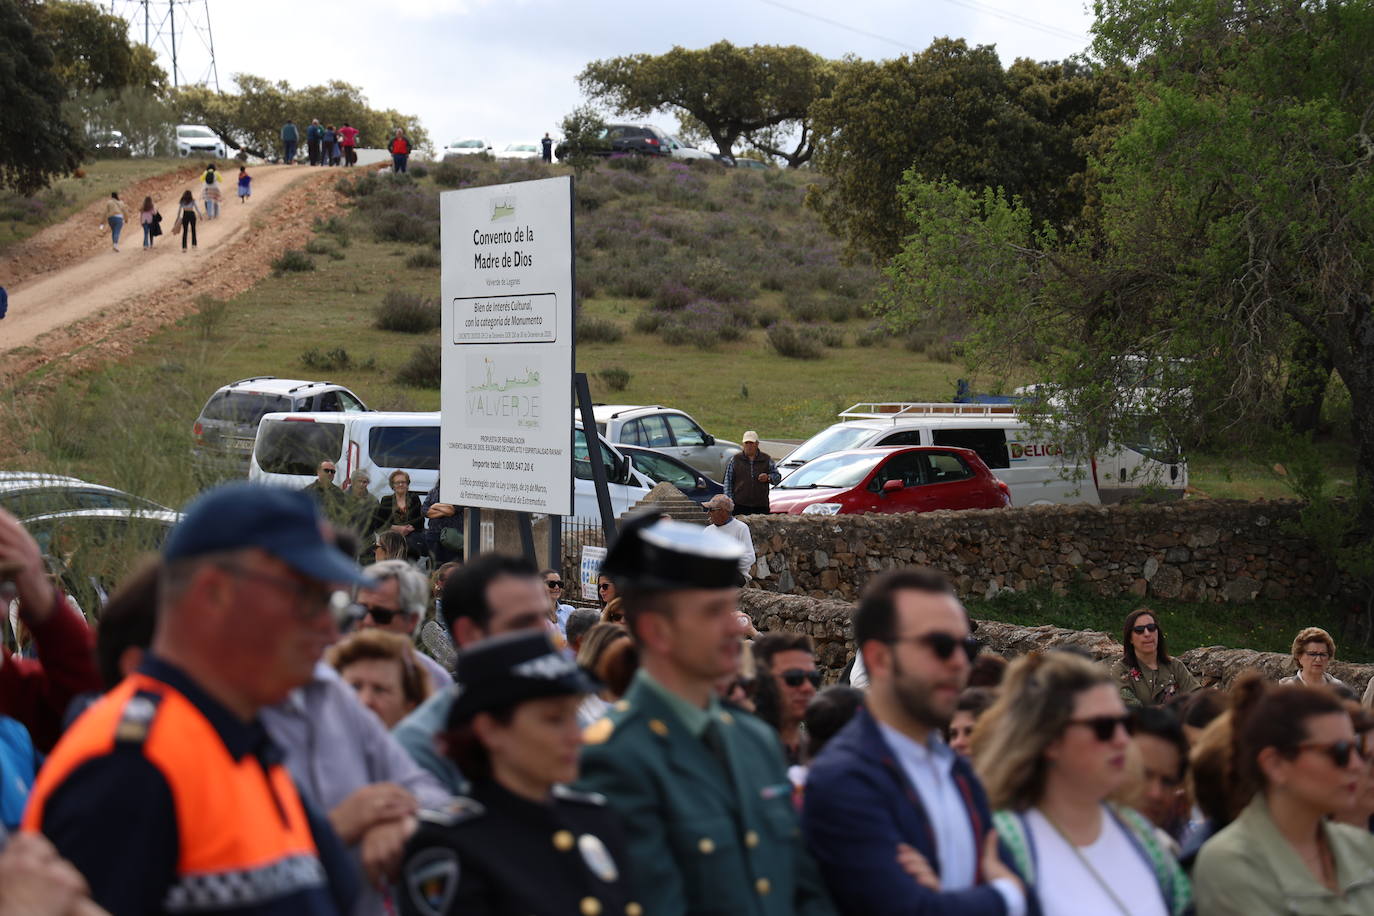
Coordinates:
<point>1309,373</point>
<point>725,142</point>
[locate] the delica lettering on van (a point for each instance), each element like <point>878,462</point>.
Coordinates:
<point>1021,451</point>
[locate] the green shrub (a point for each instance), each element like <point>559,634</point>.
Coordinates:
<point>321,246</point>
<point>872,336</point>
<point>452,174</point>
<point>293,259</point>
<point>649,321</point>
<point>638,283</point>
<point>417,170</point>
<point>409,313</point>
<point>597,330</point>
<point>335,360</point>
<point>715,279</point>
<point>806,306</point>
<point>586,283</point>
<point>672,296</point>
<point>633,163</point>
<point>919,340</point>
<point>424,260</point>
<point>335,227</point>
<point>828,335</point>
<point>794,343</point>
<point>615,378</point>
<point>424,369</point>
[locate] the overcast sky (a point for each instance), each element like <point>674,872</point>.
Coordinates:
<point>505,70</point>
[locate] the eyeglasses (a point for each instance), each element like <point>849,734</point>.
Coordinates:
<point>314,596</point>
<point>553,583</point>
<point>794,677</point>
<point>1338,751</point>
<point>1104,727</point>
<point>1145,628</point>
<point>1318,656</point>
<point>943,644</point>
<point>602,586</point>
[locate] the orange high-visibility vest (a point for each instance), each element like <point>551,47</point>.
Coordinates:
<point>242,832</point>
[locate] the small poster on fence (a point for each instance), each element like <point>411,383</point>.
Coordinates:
<point>590,571</point>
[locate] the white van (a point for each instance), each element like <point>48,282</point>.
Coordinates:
<point>290,446</point>
<point>1029,461</point>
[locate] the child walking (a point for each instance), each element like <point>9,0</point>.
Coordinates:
<point>149,218</point>
<point>245,185</point>
<point>186,223</point>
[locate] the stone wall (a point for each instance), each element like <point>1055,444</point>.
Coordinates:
<point>827,623</point>
<point>1203,550</point>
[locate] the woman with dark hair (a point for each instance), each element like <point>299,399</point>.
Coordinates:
<point>1051,751</point>
<point>973,702</point>
<point>521,843</point>
<point>1296,756</point>
<point>1145,672</point>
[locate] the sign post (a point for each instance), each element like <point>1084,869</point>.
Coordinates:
<point>507,285</point>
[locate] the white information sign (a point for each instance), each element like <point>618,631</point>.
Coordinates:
<point>506,439</point>
<point>590,571</point>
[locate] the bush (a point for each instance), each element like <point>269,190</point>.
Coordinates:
<point>672,296</point>
<point>423,260</point>
<point>632,162</point>
<point>649,321</point>
<point>635,284</point>
<point>615,378</point>
<point>334,227</point>
<point>293,259</point>
<point>597,330</point>
<point>335,360</point>
<point>805,307</point>
<point>209,316</point>
<point>402,226</point>
<point>919,340</point>
<point>586,283</point>
<point>794,343</point>
<point>872,336</point>
<point>321,246</point>
<point>409,313</point>
<point>713,278</point>
<point>424,369</point>
<point>452,174</point>
<point>417,170</point>
<point>703,324</point>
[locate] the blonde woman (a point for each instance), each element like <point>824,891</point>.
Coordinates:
<point>1313,651</point>
<point>1050,752</point>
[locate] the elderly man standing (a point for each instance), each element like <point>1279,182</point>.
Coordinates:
<point>720,510</point>
<point>167,794</point>
<point>703,792</point>
<point>397,604</point>
<point>749,475</point>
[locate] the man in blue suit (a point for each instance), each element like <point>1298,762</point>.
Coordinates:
<point>898,822</point>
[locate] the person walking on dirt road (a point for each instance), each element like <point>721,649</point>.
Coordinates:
<point>399,148</point>
<point>150,220</point>
<point>290,138</point>
<point>212,194</point>
<point>114,215</point>
<point>186,220</point>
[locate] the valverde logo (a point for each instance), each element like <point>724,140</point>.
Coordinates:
<point>1020,451</point>
<point>502,207</point>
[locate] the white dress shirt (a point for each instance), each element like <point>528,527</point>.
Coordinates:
<point>930,769</point>
<point>740,532</point>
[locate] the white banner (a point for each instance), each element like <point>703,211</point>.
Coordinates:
<point>590,570</point>
<point>507,403</point>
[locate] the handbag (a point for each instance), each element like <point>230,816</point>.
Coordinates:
<point>451,538</point>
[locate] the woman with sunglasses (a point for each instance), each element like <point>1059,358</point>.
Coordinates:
<point>1294,762</point>
<point>1146,674</point>
<point>1051,750</point>
<point>561,611</point>
<point>521,843</point>
<point>1313,650</point>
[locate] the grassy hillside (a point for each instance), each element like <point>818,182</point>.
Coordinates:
<point>694,283</point>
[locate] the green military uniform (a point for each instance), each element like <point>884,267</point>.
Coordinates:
<point>712,831</point>
<point>1144,686</point>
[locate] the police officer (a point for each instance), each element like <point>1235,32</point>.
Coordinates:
<point>703,791</point>
<point>521,843</point>
<point>167,794</point>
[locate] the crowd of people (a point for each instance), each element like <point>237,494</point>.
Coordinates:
<point>188,211</point>
<point>260,724</point>
<point>327,145</point>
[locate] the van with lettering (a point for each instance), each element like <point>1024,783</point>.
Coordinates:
<point>290,446</point>
<point>1030,461</point>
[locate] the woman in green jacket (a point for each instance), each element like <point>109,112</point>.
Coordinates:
<point>1296,749</point>
<point>1145,673</point>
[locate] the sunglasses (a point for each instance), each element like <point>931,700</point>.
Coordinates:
<point>943,644</point>
<point>795,677</point>
<point>1104,727</point>
<point>1145,628</point>
<point>554,583</point>
<point>1338,752</point>
<point>603,586</point>
<point>381,615</point>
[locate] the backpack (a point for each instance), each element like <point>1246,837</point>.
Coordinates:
<point>209,176</point>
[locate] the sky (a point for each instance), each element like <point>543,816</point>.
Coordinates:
<point>505,70</point>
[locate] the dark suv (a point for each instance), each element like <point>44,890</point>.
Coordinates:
<point>228,423</point>
<point>642,139</point>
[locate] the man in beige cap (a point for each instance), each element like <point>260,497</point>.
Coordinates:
<point>748,477</point>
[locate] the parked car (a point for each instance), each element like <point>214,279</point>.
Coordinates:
<point>471,146</point>
<point>89,533</point>
<point>641,139</point>
<point>1029,459</point>
<point>518,151</point>
<point>743,162</point>
<point>290,447</point>
<point>199,140</point>
<point>228,423</point>
<point>680,150</point>
<point>663,468</point>
<point>916,479</point>
<point>666,430</point>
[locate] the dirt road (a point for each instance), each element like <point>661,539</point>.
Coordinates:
<point>126,282</point>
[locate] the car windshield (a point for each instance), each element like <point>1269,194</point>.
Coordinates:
<point>841,471</point>
<point>245,408</point>
<point>521,148</point>
<point>195,132</point>
<point>297,447</point>
<point>835,439</point>
<point>405,447</point>
<point>468,144</point>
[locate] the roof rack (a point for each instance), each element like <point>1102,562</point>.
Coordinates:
<point>255,378</point>
<point>894,410</point>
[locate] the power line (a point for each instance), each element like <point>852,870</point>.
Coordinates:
<point>842,25</point>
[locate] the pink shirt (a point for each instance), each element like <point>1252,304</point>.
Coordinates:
<point>348,136</point>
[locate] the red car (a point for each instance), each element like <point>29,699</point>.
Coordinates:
<point>912,479</point>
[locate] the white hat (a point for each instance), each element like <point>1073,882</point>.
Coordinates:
<point>750,436</point>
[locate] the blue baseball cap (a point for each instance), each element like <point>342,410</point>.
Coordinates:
<point>284,523</point>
